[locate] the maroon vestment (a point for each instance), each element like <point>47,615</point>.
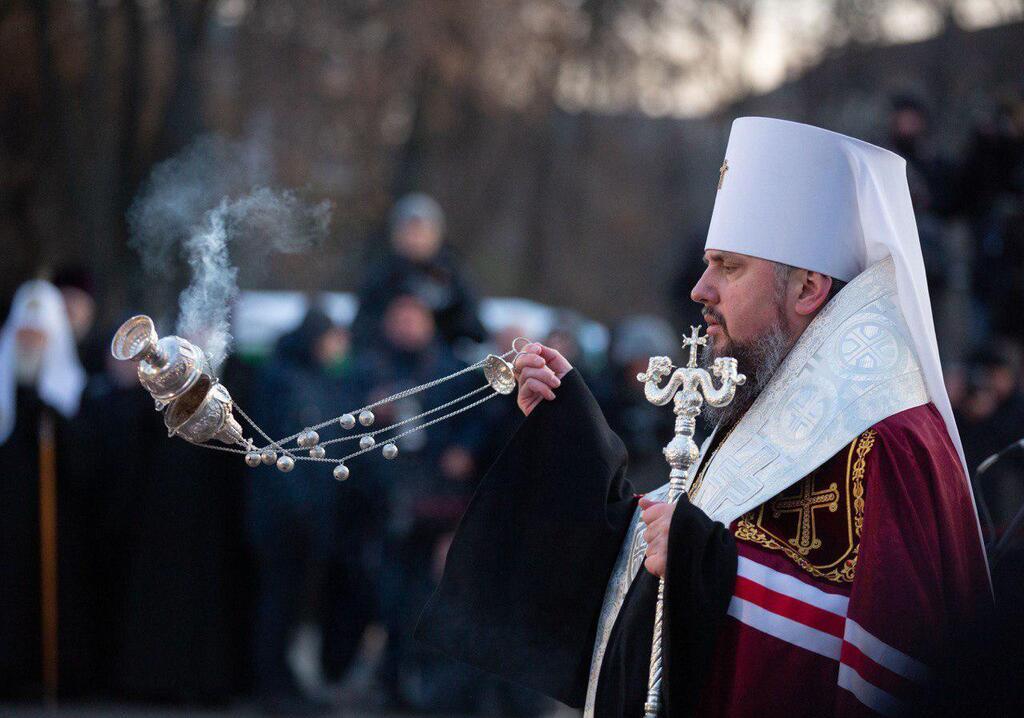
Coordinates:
<point>835,597</point>
<point>849,582</point>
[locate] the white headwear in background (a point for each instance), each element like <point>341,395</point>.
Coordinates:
<point>818,200</point>
<point>61,379</point>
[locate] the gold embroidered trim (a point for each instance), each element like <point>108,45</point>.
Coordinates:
<point>748,528</point>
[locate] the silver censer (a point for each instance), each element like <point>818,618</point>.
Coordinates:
<point>688,388</point>
<point>176,373</point>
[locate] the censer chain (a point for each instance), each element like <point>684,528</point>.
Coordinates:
<point>387,400</point>
<point>410,420</point>
<point>375,447</point>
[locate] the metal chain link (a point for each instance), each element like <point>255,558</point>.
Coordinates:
<point>374,405</point>
<point>410,420</point>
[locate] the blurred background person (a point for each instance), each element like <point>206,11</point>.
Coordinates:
<point>292,519</point>
<point>78,288</point>
<point>419,260</point>
<point>424,491</point>
<point>42,499</point>
<point>932,181</point>
<point>643,427</point>
<point>991,416</point>
<point>992,198</point>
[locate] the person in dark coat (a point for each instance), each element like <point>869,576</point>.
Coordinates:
<point>292,518</point>
<point>645,429</point>
<point>425,490</point>
<point>418,260</point>
<point>171,517</point>
<point>41,384</point>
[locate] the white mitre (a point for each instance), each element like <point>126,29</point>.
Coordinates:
<point>39,305</point>
<point>818,200</point>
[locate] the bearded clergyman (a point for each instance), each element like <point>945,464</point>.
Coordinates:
<point>828,543</point>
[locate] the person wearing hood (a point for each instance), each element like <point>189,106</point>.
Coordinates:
<point>419,260</point>
<point>424,489</point>
<point>291,518</point>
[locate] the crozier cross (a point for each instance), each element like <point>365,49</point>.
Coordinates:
<point>693,341</point>
<point>804,506</point>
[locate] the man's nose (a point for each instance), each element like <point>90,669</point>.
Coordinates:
<point>703,291</point>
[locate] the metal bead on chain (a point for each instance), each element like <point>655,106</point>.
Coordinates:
<point>308,438</point>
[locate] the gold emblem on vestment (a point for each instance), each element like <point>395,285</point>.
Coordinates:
<point>804,505</point>
<point>828,552</point>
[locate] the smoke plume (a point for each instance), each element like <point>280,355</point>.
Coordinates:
<point>202,205</point>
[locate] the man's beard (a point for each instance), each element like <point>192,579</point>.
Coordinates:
<point>758,359</point>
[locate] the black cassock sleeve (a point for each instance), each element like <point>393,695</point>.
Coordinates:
<point>528,567</point>
<point>699,577</point>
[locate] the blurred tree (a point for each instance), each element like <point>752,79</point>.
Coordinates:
<point>358,100</point>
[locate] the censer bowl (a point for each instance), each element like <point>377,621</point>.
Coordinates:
<point>499,374</point>
<point>168,367</point>
<point>136,340</point>
<point>203,413</point>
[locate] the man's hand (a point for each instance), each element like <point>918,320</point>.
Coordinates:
<point>539,371</point>
<point>658,517</point>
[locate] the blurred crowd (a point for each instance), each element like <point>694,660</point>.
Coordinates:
<point>184,576</point>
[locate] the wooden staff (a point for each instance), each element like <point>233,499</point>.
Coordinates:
<point>48,552</point>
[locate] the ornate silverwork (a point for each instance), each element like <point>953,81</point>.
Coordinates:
<point>200,409</point>
<point>178,377</point>
<point>687,388</point>
<point>853,366</point>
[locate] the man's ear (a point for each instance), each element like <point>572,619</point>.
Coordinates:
<point>813,291</point>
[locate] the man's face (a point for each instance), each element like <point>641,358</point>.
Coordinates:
<point>409,324</point>
<point>740,298</point>
<point>81,308</point>
<point>745,309</point>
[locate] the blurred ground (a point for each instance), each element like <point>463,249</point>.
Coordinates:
<point>128,710</point>
<point>135,711</point>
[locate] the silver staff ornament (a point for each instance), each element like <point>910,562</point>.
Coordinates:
<point>688,388</point>
<point>199,409</point>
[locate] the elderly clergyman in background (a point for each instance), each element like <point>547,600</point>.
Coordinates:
<point>828,543</point>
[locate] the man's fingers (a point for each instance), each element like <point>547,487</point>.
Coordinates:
<point>654,532</point>
<point>544,374</point>
<point>655,512</point>
<point>539,387</point>
<point>528,359</point>
<point>655,565</point>
<point>555,360</point>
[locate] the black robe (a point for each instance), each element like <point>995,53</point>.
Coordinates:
<point>77,554</point>
<point>530,563</point>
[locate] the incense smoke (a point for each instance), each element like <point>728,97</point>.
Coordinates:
<point>210,198</point>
